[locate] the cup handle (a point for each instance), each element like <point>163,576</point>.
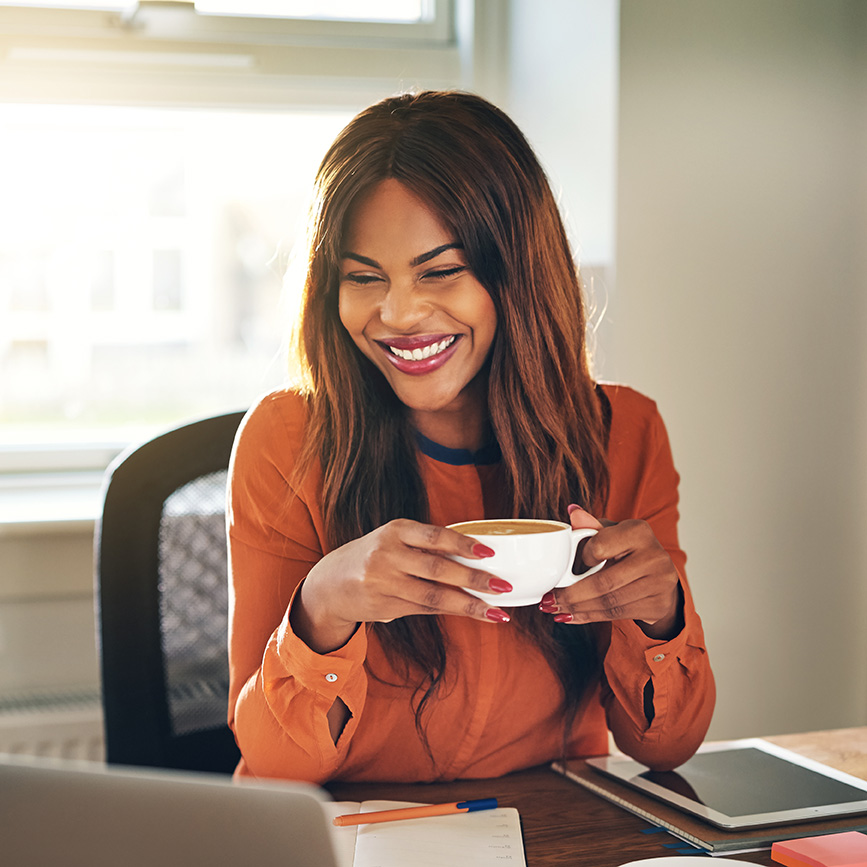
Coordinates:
<point>570,577</point>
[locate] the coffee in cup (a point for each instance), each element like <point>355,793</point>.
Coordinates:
<point>534,556</point>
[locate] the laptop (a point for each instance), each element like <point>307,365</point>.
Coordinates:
<point>82,814</point>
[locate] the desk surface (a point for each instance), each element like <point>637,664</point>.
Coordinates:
<point>565,824</point>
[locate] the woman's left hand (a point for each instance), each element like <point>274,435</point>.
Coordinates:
<point>639,581</point>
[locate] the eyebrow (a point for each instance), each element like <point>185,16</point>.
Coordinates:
<point>418,260</point>
<point>432,254</point>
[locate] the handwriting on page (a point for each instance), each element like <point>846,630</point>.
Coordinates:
<point>477,839</point>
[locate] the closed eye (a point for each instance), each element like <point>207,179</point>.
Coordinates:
<point>444,273</point>
<point>361,279</point>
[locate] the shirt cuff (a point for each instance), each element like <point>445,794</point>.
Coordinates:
<point>327,674</point>
<point>628,639</point>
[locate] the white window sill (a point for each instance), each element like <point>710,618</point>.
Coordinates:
<point>49,502</point>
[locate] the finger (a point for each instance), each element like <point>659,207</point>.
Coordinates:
<point>647,598</point>
<point>582,519</point>
<point>649,569</point>
<point>649,610</point>
<point>602,584</point>
<point>617,542</point>
<point>428,597</point>
<point>430,537</point>
<point>416,563</point>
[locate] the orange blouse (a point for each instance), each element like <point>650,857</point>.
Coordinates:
<point>499,707</point>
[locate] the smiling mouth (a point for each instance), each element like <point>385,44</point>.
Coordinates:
<point>420,353</point>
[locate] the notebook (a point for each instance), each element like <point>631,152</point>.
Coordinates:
<point>85,815</point>
<point>488,838</point>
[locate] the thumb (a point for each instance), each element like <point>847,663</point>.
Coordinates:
<point>582,520</point>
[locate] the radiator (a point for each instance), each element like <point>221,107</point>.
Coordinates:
<point>56,723</point>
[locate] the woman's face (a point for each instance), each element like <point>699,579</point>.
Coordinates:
<point>411,304</point>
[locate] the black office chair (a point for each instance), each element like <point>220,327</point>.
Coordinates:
<point>162,600</point>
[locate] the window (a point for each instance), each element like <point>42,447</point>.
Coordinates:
<point>141,253</point>
<point>157,163</point>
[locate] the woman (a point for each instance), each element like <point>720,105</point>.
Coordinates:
<point>442,334</point>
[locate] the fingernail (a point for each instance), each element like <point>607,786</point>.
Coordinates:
<point>498,585</point>
<point>562,618</point>
<point>497,616</point>
<point>572,507</point>
<point>481,550</point>
<point>548,604</point>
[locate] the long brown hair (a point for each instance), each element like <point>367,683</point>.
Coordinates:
<point>473,167</point>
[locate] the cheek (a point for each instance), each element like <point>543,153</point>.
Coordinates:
<point>351,314</point>
<point>486,316</point>
<point>344,310</point>
<point>353,317</point>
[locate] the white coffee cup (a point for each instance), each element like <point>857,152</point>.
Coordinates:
<point>533,556</point>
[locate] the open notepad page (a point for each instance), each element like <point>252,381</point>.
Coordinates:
<point>486,837</point>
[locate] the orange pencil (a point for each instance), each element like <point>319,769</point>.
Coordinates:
<point>416,812</point>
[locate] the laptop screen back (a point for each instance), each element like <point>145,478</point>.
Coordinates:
<point>89,816</point>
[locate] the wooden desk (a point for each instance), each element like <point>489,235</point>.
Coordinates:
<point>565,825</point>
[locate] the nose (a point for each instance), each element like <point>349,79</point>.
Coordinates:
<point>403,306</point>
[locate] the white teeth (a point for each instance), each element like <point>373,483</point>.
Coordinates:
<point>426,352</point>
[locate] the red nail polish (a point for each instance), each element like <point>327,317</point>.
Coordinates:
<point>548,609</point>
<point>562,618</point>
<point>481,550</point>
<point>548,598</point>
<point>498,585</point>
<point>497,616</point>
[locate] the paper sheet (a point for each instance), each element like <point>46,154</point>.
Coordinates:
<point>481,839</point>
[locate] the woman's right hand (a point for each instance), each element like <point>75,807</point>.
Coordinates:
<point>398,569</point>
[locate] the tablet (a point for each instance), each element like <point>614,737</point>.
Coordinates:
<point>745,784</point>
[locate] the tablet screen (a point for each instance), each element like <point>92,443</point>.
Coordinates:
<point>746,784</point>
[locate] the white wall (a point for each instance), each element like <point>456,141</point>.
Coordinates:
<point>47,637</point>
<point>740,306</point>
<point>561,89</point>
<point>562,92</point>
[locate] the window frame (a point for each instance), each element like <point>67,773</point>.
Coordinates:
<point>167,54</point>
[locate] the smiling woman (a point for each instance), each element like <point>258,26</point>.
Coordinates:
<point>447,380</point>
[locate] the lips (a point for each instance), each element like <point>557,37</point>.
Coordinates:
<point>419,355</point>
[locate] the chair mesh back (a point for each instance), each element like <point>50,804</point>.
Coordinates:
<point>193,585</point>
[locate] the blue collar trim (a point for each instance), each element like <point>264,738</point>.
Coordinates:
<point>488,454</point>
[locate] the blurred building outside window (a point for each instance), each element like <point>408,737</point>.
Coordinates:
<point>141,261</point>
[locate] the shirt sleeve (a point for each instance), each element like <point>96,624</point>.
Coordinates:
<point>275,678</point>
<point>672,677</point>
